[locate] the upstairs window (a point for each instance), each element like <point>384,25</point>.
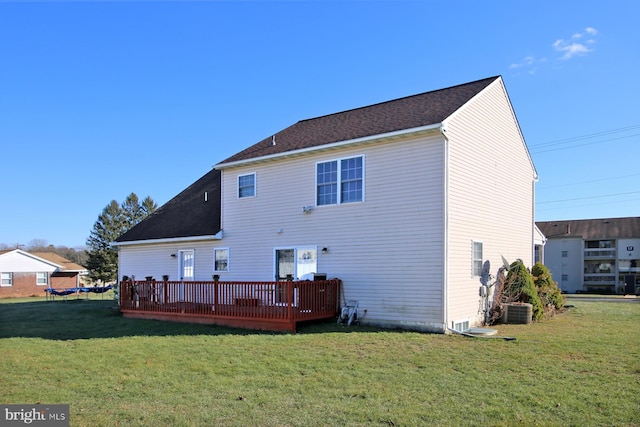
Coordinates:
<point>247,185</point>
<point>340,181</point>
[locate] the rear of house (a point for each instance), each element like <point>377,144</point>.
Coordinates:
<point>404,201</point>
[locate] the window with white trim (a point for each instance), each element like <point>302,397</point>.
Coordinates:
<point>6,279</point>
<point>221,259</point>
<point>247,185</point>
<point>340,181</point>
<point>477,257</point>
<point>42,278</point>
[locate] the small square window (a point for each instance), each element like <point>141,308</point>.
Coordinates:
<point>247,185</point>
<point>565,254</point>
<point>565,277</point>
<point>6,279</point>
<point>221,259</point>
<point>42,279</point>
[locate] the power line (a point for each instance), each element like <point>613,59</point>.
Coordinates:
<point>585,206</point>
<point>588,197</point>
<point>534,151</point>
<point>587,182</point>
<point>588,136</point>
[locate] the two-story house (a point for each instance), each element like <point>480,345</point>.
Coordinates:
<point>404,201</point>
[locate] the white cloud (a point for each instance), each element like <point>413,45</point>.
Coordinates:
<point>529,63</point>
<point>579,44</point>
<point>570,49</point>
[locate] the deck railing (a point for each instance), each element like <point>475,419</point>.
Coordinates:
<point>259,305</point>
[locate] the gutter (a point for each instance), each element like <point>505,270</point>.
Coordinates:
<point>217,236</point>
<point>334,145</point>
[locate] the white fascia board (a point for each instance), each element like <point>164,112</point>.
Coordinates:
<point>37,258</point>
<point>217,236</point>
<point>356,141</point>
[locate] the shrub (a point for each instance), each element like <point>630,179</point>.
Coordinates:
<point>548,289</point>
<point>519,287</point>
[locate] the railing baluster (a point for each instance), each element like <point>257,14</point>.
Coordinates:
<point>285,301</point>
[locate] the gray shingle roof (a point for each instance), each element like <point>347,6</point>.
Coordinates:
<point>404,113</point>
<point>592,229</point>
<point>186,215</point>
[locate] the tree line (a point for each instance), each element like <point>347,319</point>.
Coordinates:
<point>99,257</point>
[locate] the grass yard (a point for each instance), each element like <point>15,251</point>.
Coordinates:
<point>581,368</point>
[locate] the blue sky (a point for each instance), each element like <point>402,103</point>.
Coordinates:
<point>99,99</point>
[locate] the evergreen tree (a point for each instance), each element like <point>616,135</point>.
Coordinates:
<point>115,220</point>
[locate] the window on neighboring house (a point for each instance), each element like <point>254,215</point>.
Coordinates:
<point>565,254</point>
<point>6,279</point>
<point>42,279</point>
<point>565,278</point>
<point>477,258</point>
<point>221,261</point>
<point>340,181</point>
<point>247,185</point>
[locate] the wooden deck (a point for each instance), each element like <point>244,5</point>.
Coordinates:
<point>272,306</point>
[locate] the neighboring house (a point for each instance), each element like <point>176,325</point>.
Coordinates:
<point>30,273</point>
<point>594,255</point>
<point>404,201</point>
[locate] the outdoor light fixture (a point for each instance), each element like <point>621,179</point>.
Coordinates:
<point>325,250</point>
<point>173,255</point>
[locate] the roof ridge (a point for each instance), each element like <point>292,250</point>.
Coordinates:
<point>394,100</point>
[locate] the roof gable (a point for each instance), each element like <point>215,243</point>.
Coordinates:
<point>410,112</point>
<point>38,261</point>
<point>188,214</point>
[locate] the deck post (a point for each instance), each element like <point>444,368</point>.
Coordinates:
<point>215,291</point>
<point>290,300</point>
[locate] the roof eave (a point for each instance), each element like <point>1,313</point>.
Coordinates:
<point>217,236</point>
<point>357,141</point>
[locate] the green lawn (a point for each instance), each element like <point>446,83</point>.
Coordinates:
<point>581,368</point>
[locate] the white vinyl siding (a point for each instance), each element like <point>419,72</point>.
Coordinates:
<point>156,260</point>
<point>490,196</point>
<point>388,251</point>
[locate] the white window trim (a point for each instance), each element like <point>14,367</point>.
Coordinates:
<point>296,249</point>
<point>255,185</point>
<point>339,181</point>
<point>473,258</point>
<point>228,259</point>
<point>2,277</point>
<point>46,283</point>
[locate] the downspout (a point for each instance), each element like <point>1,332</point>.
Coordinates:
<point>445,231</point>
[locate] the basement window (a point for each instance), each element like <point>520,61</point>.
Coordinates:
<point>461,325</point>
